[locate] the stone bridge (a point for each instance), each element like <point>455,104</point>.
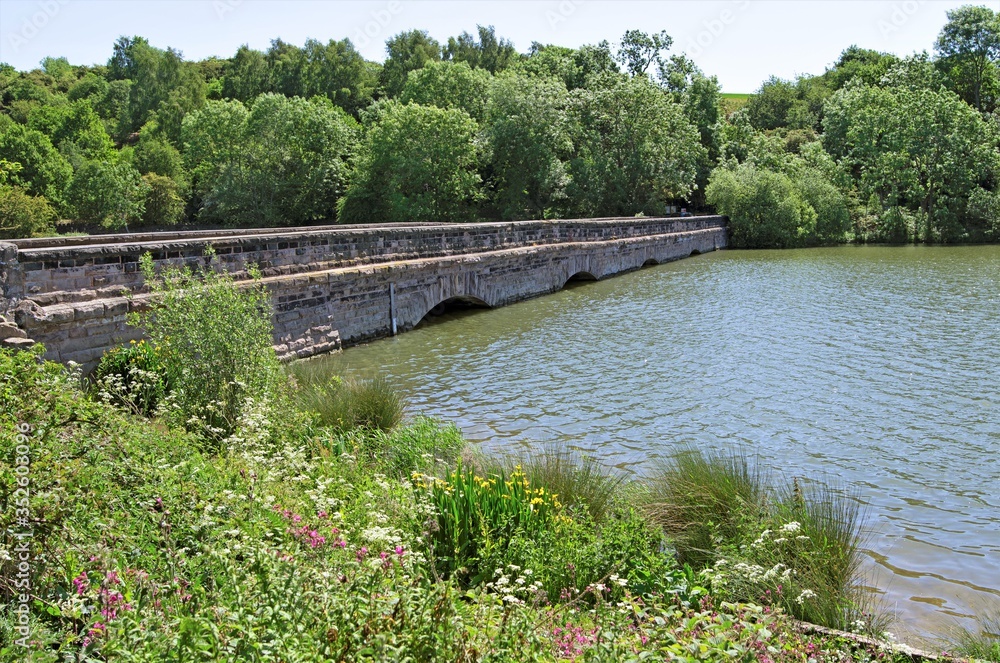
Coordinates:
<point>329,284</point>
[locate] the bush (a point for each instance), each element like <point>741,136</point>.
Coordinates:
<point>164,204</point>
<point>133,376</point>
<point>764,208</point>
<point>216,337</point>
<point>23,215</point>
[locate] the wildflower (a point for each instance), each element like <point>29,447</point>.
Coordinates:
<point>81,583</point>
<point>804,595</point>
<point>791,528</point>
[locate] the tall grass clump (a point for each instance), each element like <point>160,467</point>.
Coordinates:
<point>346,404</point>
<point>701,498</point>
<point>216,337</point>
<point>580,482</point>
<point>774,544</point>
<point>983,644</point>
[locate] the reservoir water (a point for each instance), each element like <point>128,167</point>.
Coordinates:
<point>876,368</point>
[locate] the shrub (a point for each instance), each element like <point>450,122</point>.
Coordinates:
<point>164,204</point>
<point>216,337</point>
<point>133,376</point>
<point>23,215</point>
<point>764,208</point>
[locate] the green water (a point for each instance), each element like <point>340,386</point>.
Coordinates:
<point>877,368</point>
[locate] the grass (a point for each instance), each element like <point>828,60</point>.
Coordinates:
<point>983,644</point>
<point>733,101</point>
<point>779,544</point>
<point>344,405</point>
<point>696,496</point>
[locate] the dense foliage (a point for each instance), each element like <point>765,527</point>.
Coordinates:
<point>471,129</point>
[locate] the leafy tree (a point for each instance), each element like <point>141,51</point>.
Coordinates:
<point>418,163</point>
<point>969,47</point>
<point>867,66</point>
<point>91,87</point>
<point>913,149</point>
<point>154,154</point>
<point>489,53</point>
<point>283,162</point>
<point>74,123</point>
<point>164,205</point>
<point>246,75</point>
<point>769,107</point>
<point>407,52</point>
<point>449,85</point>
<point>575,67</point>
<point>763,206</point>
<point>636,150</point>
<point>638,50</point>
<point>530,139</point>
<point>339,73</point>
<point>44,172</point>
<point>109,193</point>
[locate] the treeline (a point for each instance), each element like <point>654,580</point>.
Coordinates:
<point>876,148</point>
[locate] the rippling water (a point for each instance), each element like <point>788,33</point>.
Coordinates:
<point>878,368</point>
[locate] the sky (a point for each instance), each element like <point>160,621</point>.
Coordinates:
<point>743,42</point>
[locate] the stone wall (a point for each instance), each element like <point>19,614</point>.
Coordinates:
<point>329,284</point>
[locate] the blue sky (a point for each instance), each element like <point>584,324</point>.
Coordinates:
<point>740,41</point>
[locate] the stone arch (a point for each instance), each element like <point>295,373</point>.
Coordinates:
<point>652,262</point>
<point>579,277</point>
<point>694,252</point>
<point>457,302</point>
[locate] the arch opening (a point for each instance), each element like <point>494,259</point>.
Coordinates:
<point>694,252</point>
<point>453,305</point>
<point>652,262</point>
<point>579,278</point>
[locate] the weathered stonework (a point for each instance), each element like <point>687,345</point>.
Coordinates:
<point>330,285</point>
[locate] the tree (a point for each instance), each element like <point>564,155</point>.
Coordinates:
<point>449,85</point>
<point>285,161</point>
<point>108,193</point>
<point>407,52</point>
<point>339,73</point>
<point>969,47</point>
<point>915,151</point>
<point>529,141</point>
<point>639,50</point>
<point>489,53</point>
<point>418,163</point>
<point>77,124</point>
<point>763,206</point>
<point>43,171</point>
<point>246,75</point>
<point>769,107</point>
<point>636,150</point>
<point>164,205</point>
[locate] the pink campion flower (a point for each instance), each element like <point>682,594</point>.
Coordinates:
<point>112,577</point>
<point>361,553</point>
<point>322,514</point>
<point>81,583</point>
<point>400,551</point>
